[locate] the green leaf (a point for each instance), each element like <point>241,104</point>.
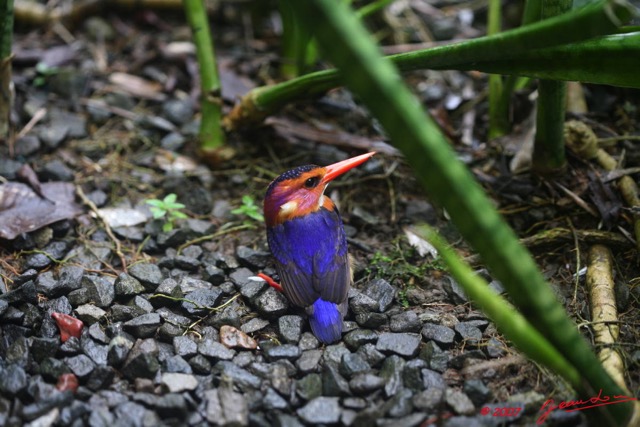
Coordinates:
<point>249,208</point>
<point>157,212</point>
<point>155,202</point>
<point>178,215</point>
<point>167,226</point>
<point>170,198</point>
<point>248,200</point>
<point>256,215</point>
<point>174,206</point>
<point>44,69</point>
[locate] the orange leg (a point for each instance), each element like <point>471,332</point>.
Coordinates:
<point>271,282</point>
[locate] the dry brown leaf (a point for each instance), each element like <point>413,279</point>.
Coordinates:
<point>137,86</point>
<point>23,211</point>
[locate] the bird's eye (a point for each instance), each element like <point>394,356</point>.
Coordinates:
<point>312,182</point>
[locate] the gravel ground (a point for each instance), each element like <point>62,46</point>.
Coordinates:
<point>189,339</point>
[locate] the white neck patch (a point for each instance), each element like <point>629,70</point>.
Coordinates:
<point>288,208</point>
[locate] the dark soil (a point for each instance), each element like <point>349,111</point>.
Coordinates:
<point>155,303</point>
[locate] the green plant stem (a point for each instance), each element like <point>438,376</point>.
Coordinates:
<point>373,7</point>
<point>376,82</point>
<point>548,144</point>
<point>6,37</point>
<point>549,38</point>
<point>195,304</point>
<point>297,49</point>
<point>498,111</point>
<point>548,147</point>
<point>508,321</point>
<point>215,235</point>
<point>531,13</point>
<point>6,27</point>
<point>582,61</point>
<point>211,132</point>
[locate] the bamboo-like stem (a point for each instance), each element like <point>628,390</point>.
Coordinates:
<point>581,139</point>
<point>296,43</point>
<point>548,145</point>
<point>629,190</point>
<point>211,133</point>
<point>604,314</point>
<point>577,61</point>
<point>548,148</point>
<point>373,7</point>
<point>6,27</point>
<point>530,14</point>
<point>6,98</point>
<point>6,37</point>
<point>557,236</point>
<point>498,111</point>
<point>604,318</point>
<point>376,82</point>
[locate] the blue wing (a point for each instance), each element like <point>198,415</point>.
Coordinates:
<point>311,257</point>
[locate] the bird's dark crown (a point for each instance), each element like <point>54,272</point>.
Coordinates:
<point>290,174</point>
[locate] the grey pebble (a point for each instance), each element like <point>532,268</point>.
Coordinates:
<point>403,344</point>
<point>321,410</point>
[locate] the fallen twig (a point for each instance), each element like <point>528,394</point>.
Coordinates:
<point>559,234</point>
<point>107,228</point>
<point>603,311</point>
<point>581,139</point>
<point>214,235</point>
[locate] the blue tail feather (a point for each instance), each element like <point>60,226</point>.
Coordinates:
<point>326,321</point>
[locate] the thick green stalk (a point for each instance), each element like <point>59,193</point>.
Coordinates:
<point>373,7</point>
<point>6,37</point>
<point>299,52</point>
<point>507,48</point>
<point>612,60</point>
<point>376,82</point>
<point>548,145</point>
<point>498,111</point>
<point>509,322</point>
<point>6,27</point>
<point>296,43</point>
<point>211,133</point>
<point>531,13</point>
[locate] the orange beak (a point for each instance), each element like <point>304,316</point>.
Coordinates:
<point>337,169</point>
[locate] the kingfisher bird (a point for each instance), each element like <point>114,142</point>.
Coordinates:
<point>309,246</point>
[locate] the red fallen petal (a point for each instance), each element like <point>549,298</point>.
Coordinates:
<point>69,326</point>
<point>275,285</point>
<point>67,382</point>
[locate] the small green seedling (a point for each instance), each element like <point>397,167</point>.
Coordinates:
<point>168,209</point>
<point>249,208</point>
<point>402,298</point>
<point>44,71</point>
